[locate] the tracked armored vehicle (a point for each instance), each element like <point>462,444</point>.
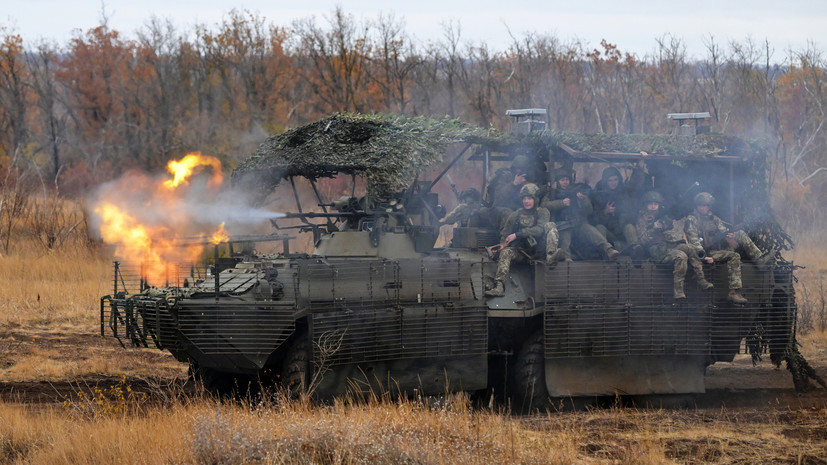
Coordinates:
<point>382,303</point>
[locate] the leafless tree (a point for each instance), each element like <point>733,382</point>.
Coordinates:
<point>394,62</point>
<point>336,60</point>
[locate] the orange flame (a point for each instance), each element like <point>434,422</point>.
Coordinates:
<point>219,236</point>
<point>150,234</point>
<point>182,169</point>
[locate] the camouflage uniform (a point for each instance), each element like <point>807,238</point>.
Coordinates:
<point>707,233</point>
<point>575,219</point>
<point>473,213</point>
<point>665,244</point>
<point>501,191</point>
<point>699,230</point>
<point>534,233</point>
<point>463,211</point>
<point>617,227</point>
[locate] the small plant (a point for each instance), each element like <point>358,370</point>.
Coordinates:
<point>118,400</point>
<point>53,222</point>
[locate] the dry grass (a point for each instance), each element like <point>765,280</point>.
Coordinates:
<point>57,289</point>
<point>49,319</point>
<point>208,432</point>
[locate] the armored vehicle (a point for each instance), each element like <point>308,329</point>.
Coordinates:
<point>390,300</point>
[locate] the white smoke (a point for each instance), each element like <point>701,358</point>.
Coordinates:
<point>196,208</point>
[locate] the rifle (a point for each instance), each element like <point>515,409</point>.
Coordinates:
<point>494,249</point>
<point>721,237</point>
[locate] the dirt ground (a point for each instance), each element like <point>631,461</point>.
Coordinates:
<point>749,414</point>
<point>733,385</point>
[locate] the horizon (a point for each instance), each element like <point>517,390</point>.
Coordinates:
<point>634,28</point>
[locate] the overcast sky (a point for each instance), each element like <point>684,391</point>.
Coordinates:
<point>633,25</point>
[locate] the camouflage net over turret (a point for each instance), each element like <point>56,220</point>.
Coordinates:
<point>389,151</point>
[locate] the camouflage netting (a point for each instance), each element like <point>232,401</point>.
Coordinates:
<point>680,147</point>
<point>388,151</point>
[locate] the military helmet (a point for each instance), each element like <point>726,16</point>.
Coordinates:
<point>521,161</point>
<point>653,196</point>
<point>704,198</point>
<point>609,172</point>
<point>562,173</point>
<point>470,195</point>
<point>529,190</point>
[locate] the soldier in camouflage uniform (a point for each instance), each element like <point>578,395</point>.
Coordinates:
<point>504,189</point>
<point>468,210</point>
<point>524,234</point>
<point>711,238</point>
<point>473,212</point>
<point>665,244</point>
<point>571,208</point>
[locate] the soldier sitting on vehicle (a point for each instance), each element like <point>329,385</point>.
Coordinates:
<point>525,234</point>
<point>504,189</point>
<point>570,208</point>
<point>473,212</point>
<point>613,214</point>
<point>469,212</point>
<point>711,238</point>
<point>665,244</point>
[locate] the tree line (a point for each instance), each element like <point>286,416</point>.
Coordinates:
<point>80,113</point>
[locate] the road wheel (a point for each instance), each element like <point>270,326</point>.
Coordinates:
<point>295,375</point>
<point>529,376</point>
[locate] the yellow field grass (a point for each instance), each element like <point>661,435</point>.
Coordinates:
<point>208,432</point>
<point>56,289</point>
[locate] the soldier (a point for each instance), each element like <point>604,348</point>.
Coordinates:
<point>711,238</point>
<point>570,208</point>
<point>504,188</point>
<point>468,210</point>
<point>666,244</point>
<point>473,212</point>
<point>612,211</point>
<point>524,234</point>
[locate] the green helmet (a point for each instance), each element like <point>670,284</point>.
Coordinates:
<point>653,196</point>
<point>562,173</point>
<point>529,190</point>
<point>704,198</point>
<point>470,195</point>
<point>521,161</point>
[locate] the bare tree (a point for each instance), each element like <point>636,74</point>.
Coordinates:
<point>395,60</point>
<point>808,147</point>
<point>450,61</point>
<point>52,113</point>
<point>481,80</point>
<point>336,61</point>
<point>673,82</point>
<point>13,93</point>
<point>713,83</point>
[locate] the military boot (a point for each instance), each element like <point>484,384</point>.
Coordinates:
<point>555,256</point>
<point>735,297</point>
<point>766,260</point>
<point>496,291</point>
<point>704,284</point>
<point>678,289</point>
